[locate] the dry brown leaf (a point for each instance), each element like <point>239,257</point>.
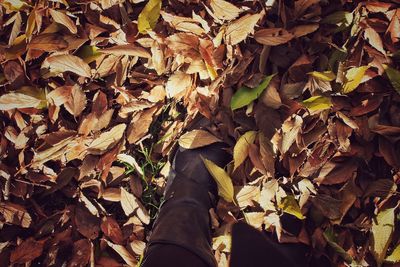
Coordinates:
<point>126,50</point>
<point>124,253</point>
<point>239,29</point>
<point>107,140</point>
<point>62,63</point>
<point>129,202</point>
<point>273,36</point>
<point>178,84</point>
<point>48,42</point>
<point>241,149</point>
<point>144,119</point>
<point>302,30</point>
<point>197,138</point>
<point>76,102</point>
<point>27,251</point>
<point>18,100</point>
<point>224,10</point>
<point>111,229</point>
<point>15,214</point>
<point>63,19</point>
<point>374,39</point>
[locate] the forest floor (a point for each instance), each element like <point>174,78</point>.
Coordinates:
<point>95,95</point>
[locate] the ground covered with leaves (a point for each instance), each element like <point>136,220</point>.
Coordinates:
<point>95,95</point>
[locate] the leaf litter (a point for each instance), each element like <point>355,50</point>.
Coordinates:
<point>94,96</point>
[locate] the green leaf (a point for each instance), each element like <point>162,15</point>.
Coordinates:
<point>289,205</point>
<point>245,95</point>
<point>394,77</point>
<point>353,77</point>
<point>326,76</point>
<point>149,16</point>
<point>241,149</point>
<point>341,17</point>
<point>224,182</point>
<point>395,256</point>
<point>381,234</point>
<point>330,237</point>
<point>315,103</point>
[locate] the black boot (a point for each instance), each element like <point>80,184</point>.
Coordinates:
<point>184,218</point>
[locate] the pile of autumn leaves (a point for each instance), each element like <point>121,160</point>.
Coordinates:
<point>294,133</point>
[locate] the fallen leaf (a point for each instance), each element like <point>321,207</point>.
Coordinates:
<point>394,77</point>
<point>241,149</point>
<point>326,76</point>
<point>123,252</point>
<point>224,10</point>
<point>62,63</point>
<point>381,234</point>
<point>48,42</point>
<point>111,229</point>
<point>239,29</point>
<point>353,78</point>
<point>149,16</point>
<point>289,205</point>
<point>224,182</point>
<point>15,214</point>
<point>197,138</point>
<point>27,251</point>
<point>76,102</point>
<point>62,19</point>
<point>394,257</point>
<point>245,96</point>
<point>107,140</point>
<point>178,84</point>
<point>316,103</point>
<point>273,36</point>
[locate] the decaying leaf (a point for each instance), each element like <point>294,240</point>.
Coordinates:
<point>123,252</point>
<point>273,36</point>
<point>107,140</point>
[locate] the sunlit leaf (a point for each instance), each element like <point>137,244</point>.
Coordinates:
<point>149,16</point>
<point>315,103</point>
<point>25,97</point>
<point>88,53</point>
<point>327,76</point>
<point>241,149</point>
<point>245,95</point>
<point>381,234</point>
<point>197,138</point>
<point>224,182</point>
<point>394,257</point>
<point>289,205</point>
<point>353,78</point>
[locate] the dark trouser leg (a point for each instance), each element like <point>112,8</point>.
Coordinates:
<point>170,255</point>
<point>250,247</point>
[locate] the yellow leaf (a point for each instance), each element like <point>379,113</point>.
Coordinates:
<point>381,234</point>
<point>241,149</point>
<point>395,256</point>
<point>148,17</point>
<point>315,103</point>
<point>353,78</point>
<point>224,182</point>
<point>13,5</point>
<point>326,76</point>
<point>289,205</point>
<point>211,72</point>
<point>88,53</point>
<point>197,138</point>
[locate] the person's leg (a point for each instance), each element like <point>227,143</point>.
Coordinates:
<point>170,255</point>
<point>251,247</point>
<point>183,220</point>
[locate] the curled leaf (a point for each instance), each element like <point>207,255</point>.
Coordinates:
<point>197,138</point>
